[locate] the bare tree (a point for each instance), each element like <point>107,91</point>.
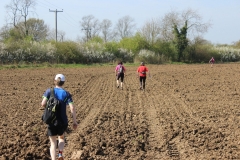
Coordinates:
<point>12,10</point>
<point>167,24</point>
<point>20,10</point>
<point>151,31</point>
<point>106,30</point>
<point>60,34</point>
<point>200,41</point>
<point>90,26</point>
<point>193,19</point>
<point>124,27</point>
<point>24,10</point>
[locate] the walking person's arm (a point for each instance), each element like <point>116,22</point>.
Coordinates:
<point>44,100</point>
<point>137,73</point>
<point>73,112</point>
<point>44,103</point>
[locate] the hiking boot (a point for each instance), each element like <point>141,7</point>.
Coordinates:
<point>60,157</point>
<point>140,88</point>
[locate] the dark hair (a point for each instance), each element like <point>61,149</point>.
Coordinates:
<point>120,62</point>
<point>58,82</point>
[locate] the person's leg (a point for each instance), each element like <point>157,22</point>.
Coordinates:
<point>61,140</point>
<point>118,76</point>
<point>61,143</point>
<point>140,82</point>
<point>117,83</point>
<point>144,81</point>
<point>53,142</point>
<point>211,64</point>
<point>122,78</point>
<point>52,133</point>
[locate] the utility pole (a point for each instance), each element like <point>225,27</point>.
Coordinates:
<point>56,11</point>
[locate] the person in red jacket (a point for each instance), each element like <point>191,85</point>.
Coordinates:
<point>142,74</point>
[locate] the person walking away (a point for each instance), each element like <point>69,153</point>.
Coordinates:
<point>60,125</point>
<point>142,74</point>
<point>120,71</point>
<point>212,61</point>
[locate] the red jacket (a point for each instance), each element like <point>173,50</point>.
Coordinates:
<point>142,70</point>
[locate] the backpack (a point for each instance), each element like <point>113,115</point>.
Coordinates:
<point>51,110</point>
<point>120,70</point>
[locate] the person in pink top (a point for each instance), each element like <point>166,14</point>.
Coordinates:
<point>142,74</point>
<point>211,61</point>
<point>120,71</point>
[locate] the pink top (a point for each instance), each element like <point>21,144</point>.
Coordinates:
<point>212,60</point>
<point>118,66</point>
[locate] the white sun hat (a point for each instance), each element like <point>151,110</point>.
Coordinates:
<point>61,76</point>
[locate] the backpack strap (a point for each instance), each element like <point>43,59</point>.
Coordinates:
<point>52,92</point>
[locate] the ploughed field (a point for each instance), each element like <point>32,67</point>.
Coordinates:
<point>186,112</point>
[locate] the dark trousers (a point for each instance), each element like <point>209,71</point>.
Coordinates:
<point>142,82</point>
<point>120,76</point>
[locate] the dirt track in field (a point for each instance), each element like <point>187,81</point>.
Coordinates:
<point>187,112</point>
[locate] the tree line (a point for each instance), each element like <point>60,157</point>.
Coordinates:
<point>168,39</point>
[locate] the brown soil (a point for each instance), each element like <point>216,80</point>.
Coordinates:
<point>187,112</point>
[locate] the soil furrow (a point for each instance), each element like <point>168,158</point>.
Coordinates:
<point>186,112</point>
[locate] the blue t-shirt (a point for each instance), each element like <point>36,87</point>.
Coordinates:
<point>65,99</point>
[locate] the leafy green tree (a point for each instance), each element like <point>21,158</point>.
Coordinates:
<point>67,52</point>
<point>180,40</point>
<point>129,43</point>
<point>96,39</point>
<point>198,49</point>
<point>134,44</point>
<point>112,47</point>
<point>37,29</point>
<point>165,50</point>
<point>142,42</point>
<point>14,35</point>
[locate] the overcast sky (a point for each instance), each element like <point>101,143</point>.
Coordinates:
<point>224,15</point>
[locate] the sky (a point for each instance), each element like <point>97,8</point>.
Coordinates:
<point>224,15</point>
